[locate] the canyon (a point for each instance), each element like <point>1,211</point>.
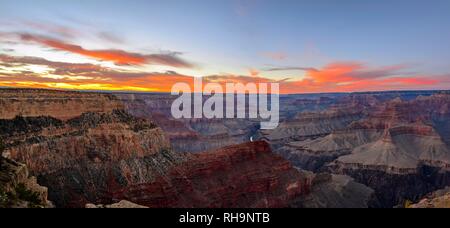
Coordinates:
<point>396,143</point>
<point>397,146</point>
<point>374,149</point>
<point>102,155</point>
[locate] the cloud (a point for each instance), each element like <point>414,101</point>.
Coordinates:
<point>73,70</point>
<point>254,72</point>
<point>57,66</point>
<point>223,79</point>
<point>344,72</point>
<point>170,59</point>
<point>355,76</point>
<point>380,72</point>
<point>334,77</point>
<point>53,29</point>
<point>83,76</point>
<point>111,37</point>
<point>119,57</point>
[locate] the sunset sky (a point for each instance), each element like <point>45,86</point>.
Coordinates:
<point>148,45</point>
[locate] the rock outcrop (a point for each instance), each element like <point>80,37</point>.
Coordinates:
<point>190,134</point>
<point>61,105</point>
<point>103,156</point>
<point>121,204</point>
<point>337,191</point>
<point>398,146</point>
<point>438,199</point>
<point>97,149</point>
<point>19,189</point>
<point>81,158</point>
<point>310,125</point>
<point>243,176</point>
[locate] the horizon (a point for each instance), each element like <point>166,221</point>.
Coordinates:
<point>165,93</point>
<point>306,47</point>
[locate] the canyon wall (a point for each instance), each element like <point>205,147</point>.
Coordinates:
<point>102,155</point>
<point>18,189</point>
<point>58,104</point>
<point>397,145</point>
<point>241,176</point>
<point>81,157</point>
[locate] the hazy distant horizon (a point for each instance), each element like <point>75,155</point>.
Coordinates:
<point>281,94</point>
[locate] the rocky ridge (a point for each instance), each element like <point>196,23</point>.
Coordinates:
<point>103,156</point>
<point>18,189</point>
<point>438,199</point>
<point>397,146</point>
<point>247,175</point>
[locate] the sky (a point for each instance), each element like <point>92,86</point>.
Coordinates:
<point>149,45</point>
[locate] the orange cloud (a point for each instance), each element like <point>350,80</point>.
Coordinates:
<point>119,57</point>
<point>336,77</point>
<point>353,76</point>
<point>254,72</point>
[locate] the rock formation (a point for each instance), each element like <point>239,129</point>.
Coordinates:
<point>438,199</point>
<point>61,105</point>
<point>100,149</point>
<point>188,135</point>
<point>121,204</point>
<point>337,191</point>
<point>103,156</point>
<point>83,157</point>
<point>399,147</point>
<point>18,189</point>
<point>246,175</point>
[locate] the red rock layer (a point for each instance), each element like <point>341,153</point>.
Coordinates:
<point>62,105</point>
<point>247,175</point>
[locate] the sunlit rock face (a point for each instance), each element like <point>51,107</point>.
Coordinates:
<point>57,104</point>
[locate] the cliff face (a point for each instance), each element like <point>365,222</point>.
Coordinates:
<point>188,135</point>
<point>99,153</point>
<point>104,155</point>
<point>405,135</point>
<point>83,157</point>
<point>57,104</point>
<point>399,147</point>
<point>197,135</point>
<point>438,199</point>
<point>18,189</point>
<point>246,175</point>
<point>337,191</point>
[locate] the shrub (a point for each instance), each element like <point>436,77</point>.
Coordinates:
<point>4,199</point>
